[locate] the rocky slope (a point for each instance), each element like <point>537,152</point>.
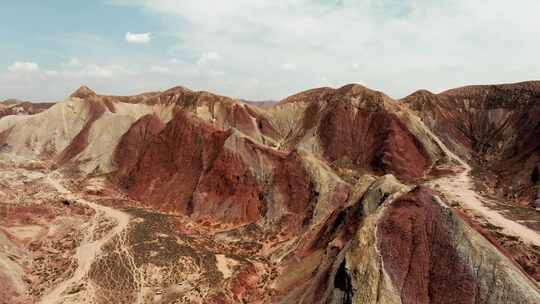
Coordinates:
<point>497,127</point>
<point>329,196</point>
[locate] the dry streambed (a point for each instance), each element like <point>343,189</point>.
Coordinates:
<point>90,247</point>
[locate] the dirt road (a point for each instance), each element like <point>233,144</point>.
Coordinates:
<point>89,248</point>
<point>460,187</point>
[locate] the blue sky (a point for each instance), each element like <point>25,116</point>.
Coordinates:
<point>49,33</point>
<point>262,49</point>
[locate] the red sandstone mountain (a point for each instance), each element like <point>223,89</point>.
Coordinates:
<point>329,196</point>
<point>496,127</point>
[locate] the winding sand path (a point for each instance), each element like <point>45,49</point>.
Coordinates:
<point>89,249</point>
<point>460,188</point>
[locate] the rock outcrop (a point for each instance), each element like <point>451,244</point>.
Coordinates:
<point>432,256</point>
<point>414,249</point>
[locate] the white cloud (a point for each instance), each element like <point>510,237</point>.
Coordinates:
<point>288,67</point>
<point>75,68</point>
<point>74,62</point>
<point>23,67</point>
<point>397,46</point>
<point>52,73</point>
<point>159,69</point>
<point>392,45</point>
<point>208,57</point>
<point>55,84</point>
<point>138,37</point>
<point>215,73</point>
<point>94,71</point>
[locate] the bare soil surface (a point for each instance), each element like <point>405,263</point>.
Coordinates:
<point>90,248</point>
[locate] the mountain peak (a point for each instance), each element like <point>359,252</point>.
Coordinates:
<point>83,92</point>
<point>354,88</point>
<point>423,92</point>
<point>177,89</point>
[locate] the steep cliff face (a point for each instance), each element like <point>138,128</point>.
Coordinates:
<point>169,165</point>
<point>354,128</point>
<point>134,142</point>
<point>414,249</point>
<point>432,256</point>
<point>415,245</point>
<point>216,174</point>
